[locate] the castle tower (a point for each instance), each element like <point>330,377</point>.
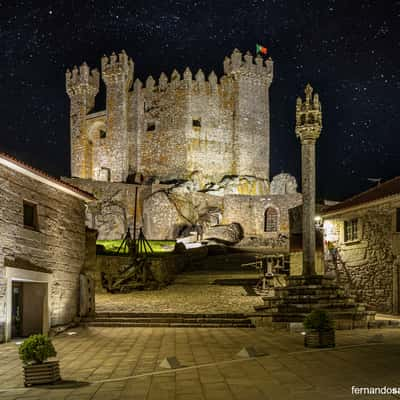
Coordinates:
<point>117,73</point>
<point>82,85</point>
<point>308,129</point>
<point>251,131</point>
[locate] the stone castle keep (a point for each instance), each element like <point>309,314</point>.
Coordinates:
<point>188,143</point>
<point>174,127</point>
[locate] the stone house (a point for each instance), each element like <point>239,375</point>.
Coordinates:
<point>42,249</point>
<point>365,230</point>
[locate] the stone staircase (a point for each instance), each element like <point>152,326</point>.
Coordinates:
<point>176,320</point>
<point>292,303</point>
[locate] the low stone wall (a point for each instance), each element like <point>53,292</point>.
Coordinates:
<point>163,268</point>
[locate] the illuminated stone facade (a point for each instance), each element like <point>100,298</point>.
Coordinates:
<point>45,248</point>
<point>172,128</point>
<point>369,262</point>
<point>198,148</point>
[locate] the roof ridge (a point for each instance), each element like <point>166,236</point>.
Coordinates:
<point>380,191</point>
<point>45,175</point>
<point>379,185</point>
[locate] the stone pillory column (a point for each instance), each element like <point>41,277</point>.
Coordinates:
<point>308,129</point>
<point>117,72</point>
<point>82,85</point>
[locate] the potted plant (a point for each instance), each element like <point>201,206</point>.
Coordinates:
<point>320,329</point>
<point>34,352</point>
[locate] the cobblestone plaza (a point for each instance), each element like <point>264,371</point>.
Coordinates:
<point>123,363</point>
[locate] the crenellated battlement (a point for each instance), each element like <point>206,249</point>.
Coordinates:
<point>173,124</point>
<point>248,65</point>
<point>179,81</point>
<point>82,81</point>
<point>117,68</point>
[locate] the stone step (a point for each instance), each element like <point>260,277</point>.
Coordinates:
<point>307,291</point>
<point>323,306</point>
<point>299,317</point>
<point>172,324</point>
<point>107,314</point>
<point>386,323</point>
<point>121,319</point>
<point>309,298</point>
<point>174,320</point>
<point>281,302</point>
<point>277,302</point>
<point>237,281</point>
<point>306,310</point>
<point>332,307</point>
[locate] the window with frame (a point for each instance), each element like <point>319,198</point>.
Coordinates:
<point>103,134</point>
<point>271,220</point>
<point>196,123</point>
<point>151,127</point>
<point>398,220</point>
<point>351,230</point>
<point>30,215</point>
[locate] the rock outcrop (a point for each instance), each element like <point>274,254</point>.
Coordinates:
<point>229,234</point>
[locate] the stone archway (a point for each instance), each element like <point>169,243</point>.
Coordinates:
<point>271,219</point>
<point>98,167</point>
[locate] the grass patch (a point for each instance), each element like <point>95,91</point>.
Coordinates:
<point>158,246</point>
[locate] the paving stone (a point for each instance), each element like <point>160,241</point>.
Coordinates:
<point>290,370</point>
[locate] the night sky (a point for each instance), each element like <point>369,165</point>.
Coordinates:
<point>348,50</point>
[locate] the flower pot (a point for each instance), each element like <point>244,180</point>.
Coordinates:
<point>39,374</point>
<point>315,338</point>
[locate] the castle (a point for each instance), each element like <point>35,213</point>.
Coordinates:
<point>172,128</point>
<point>211,134</point>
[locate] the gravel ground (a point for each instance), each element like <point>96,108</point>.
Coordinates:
<point>188,294</point>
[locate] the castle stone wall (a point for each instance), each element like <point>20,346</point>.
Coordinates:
<point>210,145</point>
<point>58,245</point>
<point>174,127</point>
<point>112,213</point>
<point>249,212</point>
<point>166,213</point>
<point>162,151</point>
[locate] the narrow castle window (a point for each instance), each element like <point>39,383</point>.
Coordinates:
<point>103,134</point>
<point>397,219</point>
<point>271,220</point>
<point>196,123</point>
<point>105,174</point>
<point>151,126</point>
<point>30,215</point>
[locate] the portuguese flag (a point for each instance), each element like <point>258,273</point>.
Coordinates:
<point>261,49</point>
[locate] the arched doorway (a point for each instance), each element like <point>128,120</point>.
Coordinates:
<point>97,162</point>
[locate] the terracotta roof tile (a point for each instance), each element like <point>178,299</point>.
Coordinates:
<point>44,175</point>
<point>381,191</point>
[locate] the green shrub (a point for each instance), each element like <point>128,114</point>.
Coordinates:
<point>319,320</point>
<point>37,349</point>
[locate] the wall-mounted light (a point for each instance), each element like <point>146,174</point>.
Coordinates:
<point>318,221</point>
